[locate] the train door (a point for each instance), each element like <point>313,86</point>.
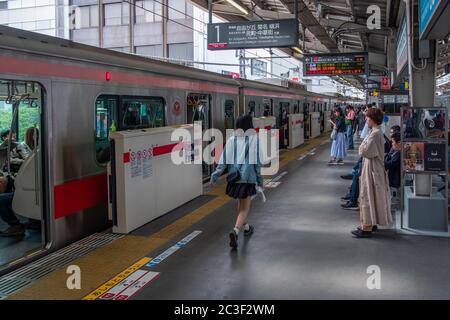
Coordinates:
<point>199,109</point>
<point>229,114</point>
<point>22,223</point>
<point>268,107</point>
<point>283,121</point>
<point>252,108</point>
<point>322,116</point>
<point>306,119</point>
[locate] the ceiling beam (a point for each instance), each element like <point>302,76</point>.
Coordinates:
<point>309,22</point>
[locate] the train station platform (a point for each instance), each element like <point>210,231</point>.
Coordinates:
<point>301,249</point>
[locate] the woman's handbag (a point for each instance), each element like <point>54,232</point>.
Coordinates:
<point>333,134</point>
<point>235,175</point>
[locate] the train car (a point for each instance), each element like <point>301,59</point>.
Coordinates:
<point>75,95</point>
<point>71,97</point>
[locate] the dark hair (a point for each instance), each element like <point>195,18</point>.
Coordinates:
<point>4,133</point>
<point>395,128</point>
<point>339,110</point>
<point>376,115</point>
<point>244,122</point>
<point>396,136</point>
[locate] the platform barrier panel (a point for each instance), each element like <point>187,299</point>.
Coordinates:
<point>144,181</point>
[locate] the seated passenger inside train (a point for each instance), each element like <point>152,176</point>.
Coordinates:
<point>19,153</point>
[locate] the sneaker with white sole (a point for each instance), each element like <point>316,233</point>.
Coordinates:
<point>250,230</point>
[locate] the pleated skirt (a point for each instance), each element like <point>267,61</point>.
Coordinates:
<point>240,190</point>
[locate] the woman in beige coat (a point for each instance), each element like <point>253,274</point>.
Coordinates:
<point>374,195</point>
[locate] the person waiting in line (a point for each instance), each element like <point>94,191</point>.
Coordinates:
<point>338,148</point>
<point>361,119</point>
<point>388,141</point>
<point>364,133</point>
<point>374,194</point>
<point>241,158</point>
<point>349,121</point>
<point>392,163</point>
<point>351,198</point>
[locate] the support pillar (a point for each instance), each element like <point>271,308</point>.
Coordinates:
<point>165,10</point>
<point>422,78</point>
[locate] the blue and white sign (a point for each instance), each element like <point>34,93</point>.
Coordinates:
<point>402,52</point>
<point>427,11</point>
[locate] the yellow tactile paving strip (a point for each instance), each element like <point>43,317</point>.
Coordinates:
<point>104,264</point>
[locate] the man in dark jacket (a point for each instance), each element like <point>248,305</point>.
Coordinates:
<point>392,161</point>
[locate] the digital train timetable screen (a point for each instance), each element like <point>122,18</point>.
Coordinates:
<point>335,64</point>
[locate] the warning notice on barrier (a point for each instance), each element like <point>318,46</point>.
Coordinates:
<point>147,160</point>
<point>141,163</point>
<point>135,165</point>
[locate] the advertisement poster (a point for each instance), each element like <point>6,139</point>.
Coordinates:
<point>423,123</point>
<point>435,157</point>
<point>413,156</point>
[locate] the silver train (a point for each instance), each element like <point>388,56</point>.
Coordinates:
<point>80,93</point>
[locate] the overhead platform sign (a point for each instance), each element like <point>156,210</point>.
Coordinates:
<point>434,19</point>
<point>339,64</point>
<point>253,34</point>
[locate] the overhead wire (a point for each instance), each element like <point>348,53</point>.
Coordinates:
<point>199,31</point>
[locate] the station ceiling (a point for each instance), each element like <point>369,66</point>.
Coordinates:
<point>332,26</point>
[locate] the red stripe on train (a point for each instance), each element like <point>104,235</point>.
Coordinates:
<point>158,151</point>
<point>77,195</point>
<point>34,67</point>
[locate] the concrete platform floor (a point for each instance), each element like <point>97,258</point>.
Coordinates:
<point>301,249</point>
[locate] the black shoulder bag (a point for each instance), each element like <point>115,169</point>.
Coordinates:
<point>235,176</point>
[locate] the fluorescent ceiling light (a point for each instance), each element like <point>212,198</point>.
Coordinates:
<point>238,6</point>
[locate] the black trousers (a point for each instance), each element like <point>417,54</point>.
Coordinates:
<point>6,213</point>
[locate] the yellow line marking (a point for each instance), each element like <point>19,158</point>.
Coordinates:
<point>118,278</point>
<point>101,264</point>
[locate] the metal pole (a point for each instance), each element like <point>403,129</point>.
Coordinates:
<point>210,11</point>
<point>242,63</point>
<point>296,9</point>
<point>101,23</point>
<point>164,28</point>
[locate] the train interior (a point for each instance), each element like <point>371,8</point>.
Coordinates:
<point>199,110</point>
<point>114,112</point>
<point>21,214</point>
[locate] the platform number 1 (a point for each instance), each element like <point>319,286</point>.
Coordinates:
<point>218,33</point>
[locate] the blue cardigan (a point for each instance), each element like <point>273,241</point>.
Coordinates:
<point>250,169</point>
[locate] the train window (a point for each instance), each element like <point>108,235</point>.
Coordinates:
<point>28,108</point>
<point>268,110</point>
<point>198,109</point>
<point>229,114</point>
<point>105,123</point>
<point>284,111</point>
<point>137,113</point>
<point>296,108</point>
<point>251,108</point>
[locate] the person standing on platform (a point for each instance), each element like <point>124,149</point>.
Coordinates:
<point>241,158</point>
<point>338,150</point>
<point>374,194</point>
<point>349,121</point>
<point>361,119</point>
